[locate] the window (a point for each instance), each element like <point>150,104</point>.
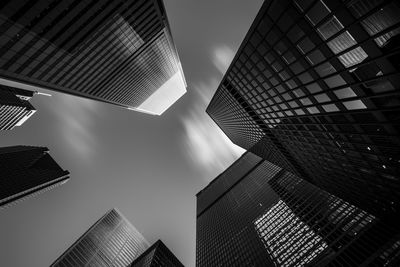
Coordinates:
<point>264,26</point>
<point>272,37</point>
<point>321,98</point>
<point>305,78</point>
<point>329,28</point>
<point>303,4</point>
<point>285,22</point>
<point>315,57</point>
<point>335,81</point>
<point>313,88</point>
<point>280,47</point>
<point>306,101</point>
<point>298,93</point>
<point>295,34</point>
<point>330,108</point>
<point>356,104</point>
<point>313,110</point>
<point>318,12</point>
<point>325,69</point>
<point>353,57</point>
<point>305,45</point>
<point>296,67</point>
<point>342,42</point>
<point>344,93</point>
<point>293,104</point>
<point>276,66</point>
<point>289,57</point>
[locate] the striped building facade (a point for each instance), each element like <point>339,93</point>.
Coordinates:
<point>15,108</point>
<point>157,255</point>
<point>111,241</point>
<point>119,52</point>
<point>27,171</point>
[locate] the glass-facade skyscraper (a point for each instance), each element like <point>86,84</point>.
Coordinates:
<point>15,108</point>
<point>258,214</point>
<point>314,89</point>
<point>157,255</point>
<point>111,241</point>
<point>119,52</point>
<point>27,171</point>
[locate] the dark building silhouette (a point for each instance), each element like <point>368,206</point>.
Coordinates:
<point>314,89</point>
<point>257,214</point>
<point>157,255</point>
<point>120,52</point>
<point>111,241</point>
<point>15,108</point>
<point>26,171</point>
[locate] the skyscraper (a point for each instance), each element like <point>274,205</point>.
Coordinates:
<point>111,241</point>
<point>257,214</point>
<point>119,52</point>
<point>157,255</point>
<point>314,89</point>
<point>26,171</point>
<point>15,108</point>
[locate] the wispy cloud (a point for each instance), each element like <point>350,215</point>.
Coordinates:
<point>204,142</point>
<point>222,57</point>
<point>75,118</point>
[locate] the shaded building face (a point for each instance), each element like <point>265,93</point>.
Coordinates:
<point>314,89</point>
<point>157,255</point>
<point>15,108</point>
<point>111,241</point>
<point>27,171</point>
<point>119,52</point>
<point>270,217</point>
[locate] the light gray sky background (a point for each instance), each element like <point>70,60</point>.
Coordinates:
<point>149,167</point>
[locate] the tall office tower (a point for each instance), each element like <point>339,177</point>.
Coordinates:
<point>157,255</point>
<point>15,108</point>
<point>314,89</point>
<point>111,241</point>
<point>26,171</point>
<point>257,214</point>
<point>120,52</point>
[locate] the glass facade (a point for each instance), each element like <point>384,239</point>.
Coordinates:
<point>157,255</point>
<point>271,217</point>
<point>119,52</point>
<point>15,108</point>
<point>111,241</point>
<point>27,171</point>
<point>316,87</point>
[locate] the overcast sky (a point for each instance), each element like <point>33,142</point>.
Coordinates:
<point>149,167</point>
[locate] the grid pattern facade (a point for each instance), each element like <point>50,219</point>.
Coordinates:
<point>27,171</point>
<point>233,118</point>
<point>13,109</point>
<point>111,241</point>
<point>321,78</point>
<point>157,255</point>
<point>274,218</point>
<point>119,52</point>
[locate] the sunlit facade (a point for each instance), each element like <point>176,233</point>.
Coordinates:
<point>119,52</point>
<point>157,255</point>
<point>111,241</point>
<point>314,89</point>
<point>15,108</point>
<point>27,171</point>
<point>257,214</point>
<point>279,228</point>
